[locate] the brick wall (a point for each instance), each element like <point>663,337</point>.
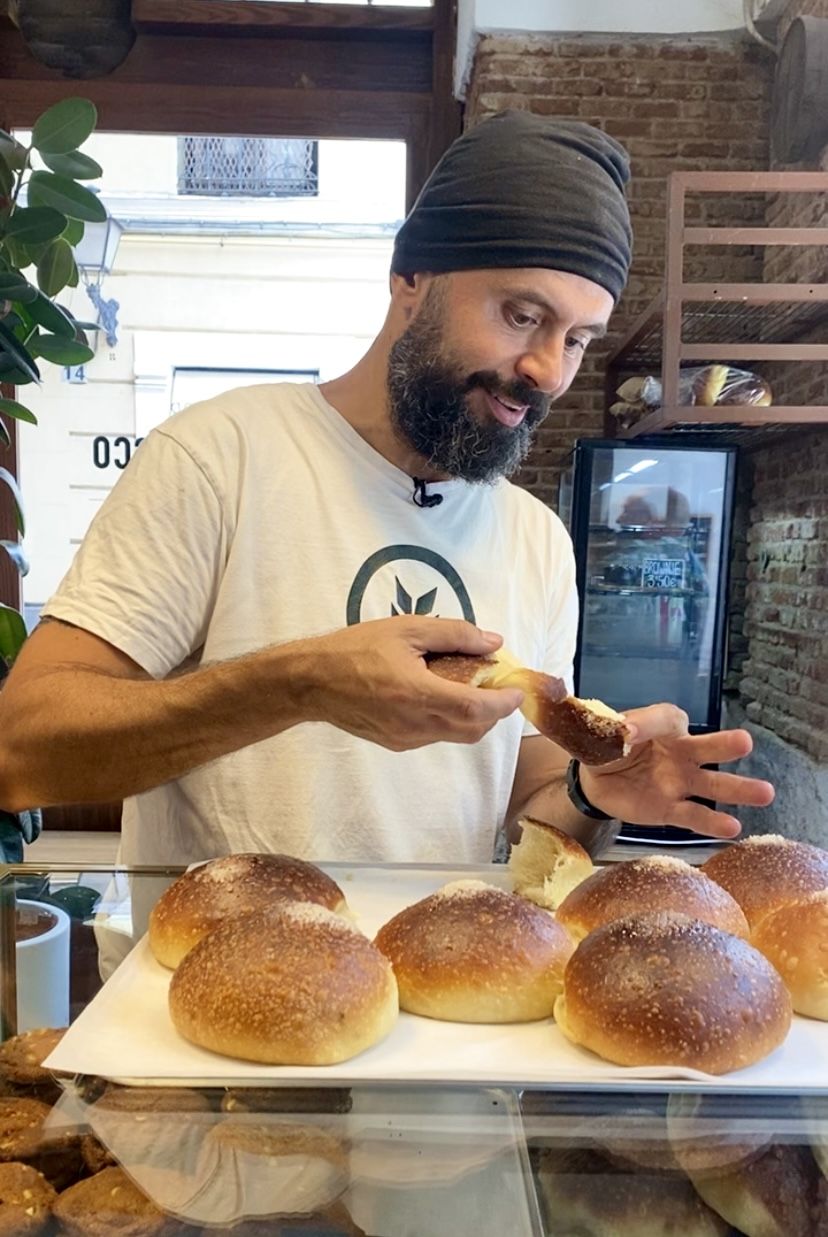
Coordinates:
<point>675,104</point>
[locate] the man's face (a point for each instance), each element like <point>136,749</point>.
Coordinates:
<point>477,368</point>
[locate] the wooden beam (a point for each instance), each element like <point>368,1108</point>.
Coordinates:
<point>223,16</point>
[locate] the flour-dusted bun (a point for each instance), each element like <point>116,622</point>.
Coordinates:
<point>475,953</point>
<point>795,940</point>
<point>546,864</point>
<point>665,989</point>
<point>657,883</point>
<point>214,892</point>
<point>582,1193</point>
<point>291,985</point>
<point>765,871</point>
<point>589,730</point>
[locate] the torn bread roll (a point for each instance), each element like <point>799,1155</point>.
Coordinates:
<point>474,953</point>
<point>794,939</point>
<point>657,883</point>
<point>665,989</point>
<point>547,864</point>
<point>766,871</point>
<point>214,892</point>
<point>589,730</point>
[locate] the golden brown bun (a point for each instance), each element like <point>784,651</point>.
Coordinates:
<point>707,385</point>
<point>208,895</point>
<point>657,883</point>
<point>474,953</point>
<point>546,864</point>
<point>582,1193</point>
<point>664,989</point>
<point>765,871</point>
<point>794,939</point>
<point>587,729</point>
<point>291,985</point>
<point>776,1195</point>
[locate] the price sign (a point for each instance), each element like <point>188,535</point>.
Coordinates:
<point>662,573</point>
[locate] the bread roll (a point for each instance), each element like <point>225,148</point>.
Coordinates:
<point>765,871</point>
<point>707,385</point>
<point>664,989</point>
<point>589,730</point>
<point>474,953</point>
<point>291,985</point>
<point>794,939</point>
<point>581,1193</point>
<point>657,883</point>
<point>234,885</point>
<point>776,1195</point>
<point>546,864</point>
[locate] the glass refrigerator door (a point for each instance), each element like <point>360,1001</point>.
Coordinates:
<point>651,527</point>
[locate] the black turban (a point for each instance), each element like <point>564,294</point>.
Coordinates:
<point>520,190</point>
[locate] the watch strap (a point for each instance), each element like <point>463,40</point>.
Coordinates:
<point>576,794</point>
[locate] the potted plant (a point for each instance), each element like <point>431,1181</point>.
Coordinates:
<point>44,208</point>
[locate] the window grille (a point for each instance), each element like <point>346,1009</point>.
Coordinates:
<point>258,167</point>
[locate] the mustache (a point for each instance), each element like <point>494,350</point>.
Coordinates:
<point>516,392</point>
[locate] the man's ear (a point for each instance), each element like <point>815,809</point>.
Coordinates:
<point>408,292</point>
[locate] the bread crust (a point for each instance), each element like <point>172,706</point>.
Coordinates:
<point>794,939</point>
<point>765,871</point>
<point>291,985</point>
<point>657,883</point>
<point>232,885</point>
<point>475,953</point>
<point>665,989</point>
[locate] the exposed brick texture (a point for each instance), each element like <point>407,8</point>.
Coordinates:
<point>701,103</point>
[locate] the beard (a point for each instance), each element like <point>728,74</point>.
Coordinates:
<point>428,402</point>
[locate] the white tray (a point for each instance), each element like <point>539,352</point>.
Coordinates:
<point>126,1034</point>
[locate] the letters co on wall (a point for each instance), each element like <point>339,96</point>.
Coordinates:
<point>113,451</point>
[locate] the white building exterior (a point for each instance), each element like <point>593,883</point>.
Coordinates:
<point>213,292</point>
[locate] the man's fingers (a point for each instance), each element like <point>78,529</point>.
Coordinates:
<point>473,706</point>
<point>730,788</point>
<point>657,721</point>
<point>719,747</point>
<point>704,820</point>
<point>454,636</point>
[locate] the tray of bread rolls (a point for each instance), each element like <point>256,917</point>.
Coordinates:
<point>545,971</point>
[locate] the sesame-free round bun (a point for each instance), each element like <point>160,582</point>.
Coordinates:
<point>475,953</point>
<point>765,871</point>
<point>290,985</point>
<point>587,729</point>
<point>665,989</point>
<point>657,883</point>
<point>547,864</point>
<point>794,939</point>
<point>214,892</point>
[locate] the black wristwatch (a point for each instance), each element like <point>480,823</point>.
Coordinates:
<point>577,797</point>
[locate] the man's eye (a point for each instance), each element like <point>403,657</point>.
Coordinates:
<point>574,342</point>
<point>519,319</point>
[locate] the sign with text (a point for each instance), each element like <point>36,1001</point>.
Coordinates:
<point>662,573</point>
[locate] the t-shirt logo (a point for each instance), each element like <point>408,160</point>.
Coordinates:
<point>400,579</point>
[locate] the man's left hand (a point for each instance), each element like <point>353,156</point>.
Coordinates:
<point>653,785</point>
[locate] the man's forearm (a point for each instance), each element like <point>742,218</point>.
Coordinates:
<point>551,804</point>
<point>79,735</point>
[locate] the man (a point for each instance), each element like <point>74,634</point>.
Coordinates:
<point>239,646</point>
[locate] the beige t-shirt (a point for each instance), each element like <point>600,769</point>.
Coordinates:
<point>261,517</point>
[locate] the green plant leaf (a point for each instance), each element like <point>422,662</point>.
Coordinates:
<point>64,195</point>
<point>19,518</point>
<point>55,268</point>
<point>6,177</point>
<point>33,224</point>
<point>12,347</point>
<point>17,555</point>
<point>17,253</point>
<point>12,632</point>
<point>51,317</point>
<point>76,165</point>
<point>14,287</point>
<point>64,127</point>
<point>60,351</point>
<point>73,232</point>
<point>74,275</point>
<point>12,151</point>
<point>20,413</point>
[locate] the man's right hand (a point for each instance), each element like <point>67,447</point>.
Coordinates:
<point>372,680</point>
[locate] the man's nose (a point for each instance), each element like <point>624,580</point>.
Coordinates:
<point>543,367</point>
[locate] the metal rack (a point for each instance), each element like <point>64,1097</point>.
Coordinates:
<point>725,322</point>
